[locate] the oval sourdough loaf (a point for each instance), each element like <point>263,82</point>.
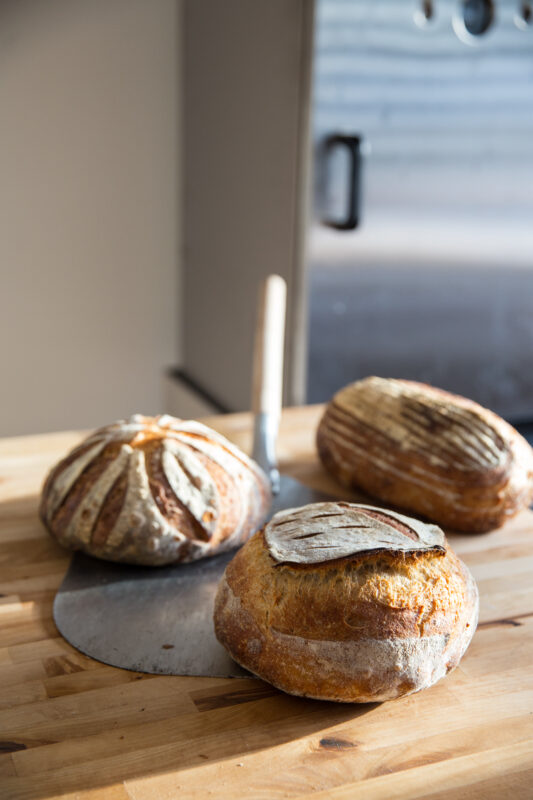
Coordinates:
<point>427,451</point>
<point>347,602</point>
<point>154,490</point>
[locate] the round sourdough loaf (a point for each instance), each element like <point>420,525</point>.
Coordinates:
<point>427,451</point>
<point>153,491</point>
<point>346,602</point>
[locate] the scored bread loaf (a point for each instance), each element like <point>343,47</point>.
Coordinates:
<point>153,491</point>
<point>346,602</point>
<point>427,451</point>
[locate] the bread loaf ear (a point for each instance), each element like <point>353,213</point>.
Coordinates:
<point>339,530</point>
<point>427,451</point>
<point>154,490</point>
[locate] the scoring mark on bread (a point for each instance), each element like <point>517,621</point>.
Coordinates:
<point>349,529</point>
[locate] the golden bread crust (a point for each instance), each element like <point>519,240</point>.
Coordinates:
<point>358,629</point>
<point>427,451</point>
<point>154,491</point>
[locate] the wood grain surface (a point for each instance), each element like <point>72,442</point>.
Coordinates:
<point>72,727</point>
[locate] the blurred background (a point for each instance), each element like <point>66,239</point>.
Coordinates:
<point>160,158</point>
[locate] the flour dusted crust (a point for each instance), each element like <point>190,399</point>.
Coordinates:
<point>370,626</point>
<point>329,531</point>
<point>427,451</point>
<point>154,491</point>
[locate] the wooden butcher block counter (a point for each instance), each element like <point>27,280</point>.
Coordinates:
<point>70,726</point>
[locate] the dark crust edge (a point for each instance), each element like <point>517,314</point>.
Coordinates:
<point>395,555</point>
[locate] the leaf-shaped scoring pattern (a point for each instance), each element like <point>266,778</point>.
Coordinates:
<point>326,531</point>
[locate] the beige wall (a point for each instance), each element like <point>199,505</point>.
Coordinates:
<point>89,216</point>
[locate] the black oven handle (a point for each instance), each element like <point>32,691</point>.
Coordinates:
<point>353,144</point>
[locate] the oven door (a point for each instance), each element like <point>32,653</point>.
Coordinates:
<point>421,250</point>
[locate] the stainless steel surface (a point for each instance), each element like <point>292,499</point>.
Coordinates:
<point>145,619</point>
<point>293,494</point>
<point>264,447</point>
<point>435,283</point>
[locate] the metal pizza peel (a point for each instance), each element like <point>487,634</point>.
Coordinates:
<point>159,620</point>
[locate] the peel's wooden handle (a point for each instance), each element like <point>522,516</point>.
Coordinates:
<point>267,384</point>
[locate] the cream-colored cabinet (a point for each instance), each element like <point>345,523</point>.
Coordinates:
<point>247,70</point>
